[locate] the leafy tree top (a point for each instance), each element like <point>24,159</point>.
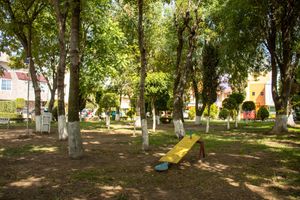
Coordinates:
<point>229,103</point>
<point>248,106</point>
<point>108,101</point>
<point>239,97</point>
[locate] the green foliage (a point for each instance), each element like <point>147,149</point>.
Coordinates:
<point>10,115</point>
<point>90,105</point>
<point>262,113</point>
<point>213,111</point>
<point>224,113</point>
<point>108,101</point>
<point>156,83</point>
<point>8,106</point>
<point>248,106</point>
<point>229,103</point>
<point>192,113</point>
<point>130,113</point>
<point>210,73</point>
<point>239,97</point>
<point>20,103</point>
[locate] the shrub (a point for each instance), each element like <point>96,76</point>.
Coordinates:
<point>192,113</point>
<point>8,106</point>
<point>20,103</point>
<point>213,111</point>
<point>262,113</point>
<point>223,114</point>
<point>10,115</point>
<point>248,106</point>
<point>229,103</point>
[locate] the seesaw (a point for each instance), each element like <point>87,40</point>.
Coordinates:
<point>179,151</point>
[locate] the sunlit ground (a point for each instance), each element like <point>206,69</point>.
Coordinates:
<point>243,163</point>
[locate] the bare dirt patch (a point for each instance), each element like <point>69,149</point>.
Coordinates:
<point>114,167</point>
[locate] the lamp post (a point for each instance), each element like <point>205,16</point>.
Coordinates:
<point>27,61</point>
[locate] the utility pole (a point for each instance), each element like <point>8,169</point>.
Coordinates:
<point>27,61</point>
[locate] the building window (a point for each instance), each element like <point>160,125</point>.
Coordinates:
<point>253,93</point>
<point>262,94</point>
<point>5,84</point>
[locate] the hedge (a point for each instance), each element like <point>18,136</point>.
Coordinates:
<point>20,103</point>
<point>8,106</point>
<point>10,115</point>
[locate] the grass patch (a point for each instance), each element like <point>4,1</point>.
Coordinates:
<point>26,150</point>
<point>93,176</point>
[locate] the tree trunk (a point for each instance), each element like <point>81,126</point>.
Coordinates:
<point>107,119</point>
<point>61,17</point>
<point>153,114</point>
<point>137,120</point>
<point>197,95</point>
<point>199,115</point>
<point>143,74</point>
<point>118,114</point>
<point>52,99</point>
<point>208,119</point>
<point>283,58</point>
<point>74,139</point>
<point>36,86</point>
<point>228,122</point>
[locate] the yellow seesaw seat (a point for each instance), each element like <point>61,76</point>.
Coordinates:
<point>180,149</point>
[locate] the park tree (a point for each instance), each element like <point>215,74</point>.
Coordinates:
<point>17,22</point>
<point>268,31</point>
<point>61,9</point>
<point>187,22</point>
<point>229,104</point>
<point>143,74</point>
<point>156,85</point>
<point>247,107</point>
<point>210,79</point>
<point>239,98</point>
<point>74,137</point>
<point>106,102</point>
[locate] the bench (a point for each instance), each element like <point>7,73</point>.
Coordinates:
<point>5,121</point>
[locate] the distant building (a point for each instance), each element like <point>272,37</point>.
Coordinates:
<point>14,84</point>
<point>259,90</point>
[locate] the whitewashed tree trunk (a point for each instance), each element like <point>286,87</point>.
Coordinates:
<point>62,128</point>
<point>236,122</point>
<point>137,121</point>
<point>280,124</point>
<point>75,142</point>
<point>157,119</point>
<point>145,135</point>
<point>239,113</point>
<point>198,120</point>
<point>38,123</point>
<point>179,129</point>
<point>118,117</point>
<point>107,120</point>
<point>153,116</point>
<point>207,125</point>
<point>290,120</point>
<point>228,122</point>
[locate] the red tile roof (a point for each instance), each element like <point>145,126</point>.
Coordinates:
<point>6,75</point>
<point>24,76</point>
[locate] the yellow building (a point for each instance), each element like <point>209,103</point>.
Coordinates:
<point>259,91</point>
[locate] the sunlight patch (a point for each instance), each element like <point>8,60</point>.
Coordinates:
<point>110,191</point>
<point>28,182</point>
<point>232,182</point>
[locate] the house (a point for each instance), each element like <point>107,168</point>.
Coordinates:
<point>259,90</point>
<point>14,84</point>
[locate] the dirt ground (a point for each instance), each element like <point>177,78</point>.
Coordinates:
<point>113,167</point>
